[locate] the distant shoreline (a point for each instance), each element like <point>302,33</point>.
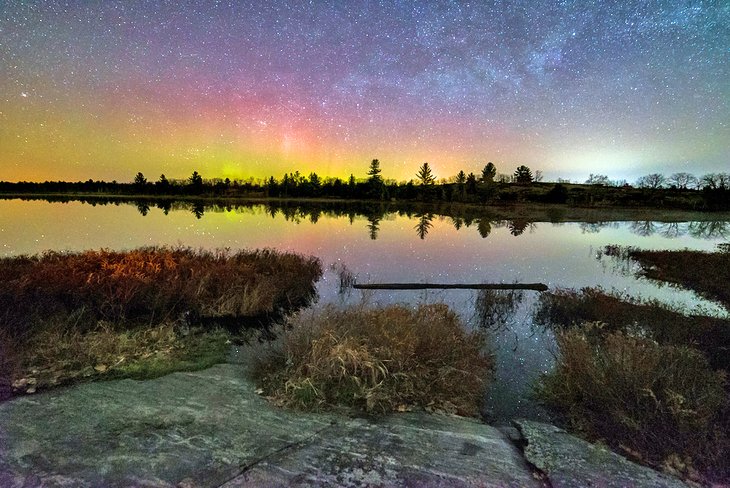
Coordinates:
<point>548,212</point>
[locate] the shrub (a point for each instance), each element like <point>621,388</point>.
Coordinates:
<point>379,360</point>
<point>8,364</point>
<point>660,402</point>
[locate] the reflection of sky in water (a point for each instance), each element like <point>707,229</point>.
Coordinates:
<point>560,255</point>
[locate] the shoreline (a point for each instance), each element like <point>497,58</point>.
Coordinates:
<point>535,212</point>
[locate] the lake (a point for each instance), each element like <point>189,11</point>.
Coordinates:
<point>377,246</point>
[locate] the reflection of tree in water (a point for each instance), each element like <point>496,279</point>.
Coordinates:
<point>424,225</point>
<point>484,227</point>
<point>165,206</point>
<point>671,230</point>
<point>272,210</point>
<point>292,214</point>
<point>457,222</point>
<point>494,308</point>
<point>643,228</point>
<point>198,210</point>
<point>517,227</point>
<point>373,226</point>
<point>314,215</point>
<point>143,208</point>
<point>594,227</point>
<point>711,229</point>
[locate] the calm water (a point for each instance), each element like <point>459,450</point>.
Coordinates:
<point>390,248</point>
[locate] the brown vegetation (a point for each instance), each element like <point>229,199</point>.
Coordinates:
<point>563,308</point>
<point>707,273</point>
<point>55,357</point>
<point>149,286</point>
<point>662,404</point>
<point>379,360</point>
<point>66,317</point>
<point>645,378</point>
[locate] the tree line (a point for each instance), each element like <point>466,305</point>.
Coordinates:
<point>484,187</point>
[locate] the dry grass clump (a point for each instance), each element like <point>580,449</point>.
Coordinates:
<point>660,403</point>
<point>562,308</point>
<point>150,285</point>
<point>380,360</point>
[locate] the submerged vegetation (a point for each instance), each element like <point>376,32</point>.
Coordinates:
<point>379,360</point>
<point>68,316</point>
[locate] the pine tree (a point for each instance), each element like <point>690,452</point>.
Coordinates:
<point>523,175</point>
<point>374,172</point>
<point>489,172</point>
<point>425,175</point>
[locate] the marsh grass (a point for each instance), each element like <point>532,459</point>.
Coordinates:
<point>646,378</point>
<point>149,285</point>
<point>660,403</point>
<point>564,308</point>
<point>707,273</point>
<point>379,360</point>
<point>67,317</point>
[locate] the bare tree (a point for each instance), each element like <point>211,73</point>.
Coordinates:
<point>504,178</point>
<point>601,180</point>
<point>716,180</point>
<point>724,180</point>
<point>653,180</point>
<point>683,180</point>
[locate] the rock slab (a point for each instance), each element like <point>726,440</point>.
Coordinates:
<point>570,462</point>
<point>209,428</point>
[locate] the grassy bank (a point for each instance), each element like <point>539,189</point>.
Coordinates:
<point>707,273</point>
<point>379,360</point>
<point>647,379</point>
<point>141,313</point>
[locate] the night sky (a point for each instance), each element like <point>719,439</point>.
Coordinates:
<point>103,89</point>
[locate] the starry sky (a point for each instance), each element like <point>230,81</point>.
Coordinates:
<point>102,89</point>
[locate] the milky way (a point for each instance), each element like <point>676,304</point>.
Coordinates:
<point>104,89</point>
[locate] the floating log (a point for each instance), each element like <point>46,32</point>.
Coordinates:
<point>450,286</point>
